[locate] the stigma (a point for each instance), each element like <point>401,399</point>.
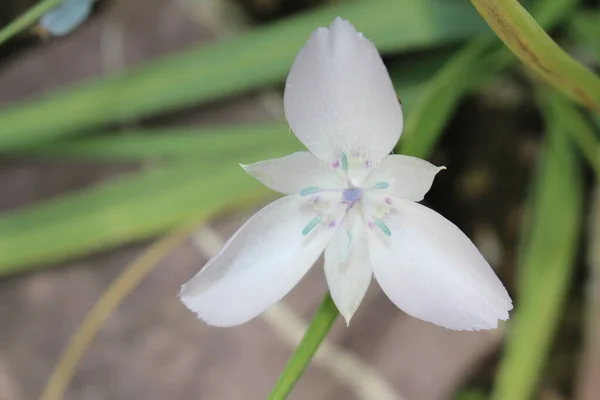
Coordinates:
<point>352,195</point>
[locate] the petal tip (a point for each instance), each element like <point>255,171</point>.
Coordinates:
<point>347,318</point>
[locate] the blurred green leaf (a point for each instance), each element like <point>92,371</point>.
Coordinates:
<point>320,324</point>
<point>259,57</point>
<point>124,210</point>
<point>585,26</point>
<point>29,18</point>
<point>173,143</point>
<point>535,48</point>
<point>559,111</point>
<point>233,140</point>
<point>549,244</point>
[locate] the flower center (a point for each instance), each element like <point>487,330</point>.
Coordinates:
<point>351,195</point>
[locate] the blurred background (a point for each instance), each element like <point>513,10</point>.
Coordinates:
<point>132,126</point>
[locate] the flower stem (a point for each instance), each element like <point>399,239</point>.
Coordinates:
<point>27,19</point>
<point>317,330</point>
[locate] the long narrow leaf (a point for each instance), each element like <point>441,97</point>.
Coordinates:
<point>180,143</point>
<point>545,267</point>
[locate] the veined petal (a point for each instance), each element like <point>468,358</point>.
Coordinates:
<point>347,266</point>
<point>295,173</point>
<point>402,176</point>
<point>432,271</point>
<point>339,98</point>
<point>259,265</point>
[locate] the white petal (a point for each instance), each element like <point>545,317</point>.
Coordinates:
<point>347,266</point>
<point>432,271</point>
<point>293,173</point>
<point>259,265</point>
<point>339,97</point>
<point>408,177</point>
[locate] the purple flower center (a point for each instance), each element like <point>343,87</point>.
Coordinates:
<point>352,195</point>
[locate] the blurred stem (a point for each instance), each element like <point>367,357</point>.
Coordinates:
<point>535,48</point>
<point>317,330</point>
<point>29,18</point>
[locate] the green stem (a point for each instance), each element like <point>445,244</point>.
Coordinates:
<point>29,18</point>
<point>315,334</point>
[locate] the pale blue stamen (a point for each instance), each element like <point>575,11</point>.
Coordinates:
<point>310,190</point>
<point>344,160</point>
<point>382,226</point>
<point>381,185</point>
<point>311,225</point>
<point>352,195</point>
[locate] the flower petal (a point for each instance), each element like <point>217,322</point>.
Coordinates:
<point>432,271</point>
<point>294,173</point>
<point>408,177</point>
<point>339,97</point>
<point>259,265</point>
<point>347,266</point>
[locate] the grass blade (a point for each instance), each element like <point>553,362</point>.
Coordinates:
<point>548,248</point>
<point>233,140</point>
<point>120,211</point>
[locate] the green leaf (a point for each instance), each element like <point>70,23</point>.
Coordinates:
<point>256,58</point>
<point>585,26</point>
<point>559,111</point>
<point>528,41</point>
<point>320,324</point>
<point>126,209</point>
<point>29,18</point>
<point>546,257</point>
<point>233,140</point>
<point>173,143</point>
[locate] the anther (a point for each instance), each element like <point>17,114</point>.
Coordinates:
<point>310,190</point>
<point>344,161</point>
<point>382,226</point>
<point>311,225</point>
<point>381,185</point>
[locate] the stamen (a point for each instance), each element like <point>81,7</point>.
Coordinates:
<point>381,185</point>
<point>311,225</point>
<point>344,160</point>
<point>382,226</point>
<point>310,190</point>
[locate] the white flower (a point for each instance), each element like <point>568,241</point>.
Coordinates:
<point>349,198</point>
